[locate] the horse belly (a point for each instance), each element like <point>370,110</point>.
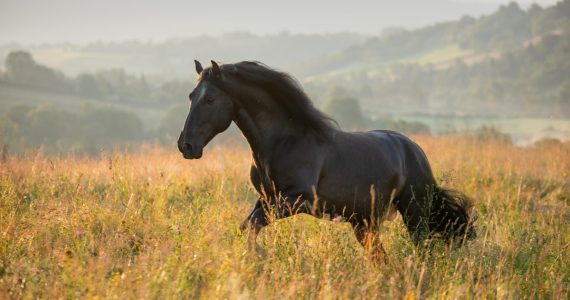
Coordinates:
<point>360,188</point>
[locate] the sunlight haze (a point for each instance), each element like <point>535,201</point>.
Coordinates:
<point>37,21</point>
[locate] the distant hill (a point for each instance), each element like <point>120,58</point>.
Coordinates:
<point>509,28</point>
<point>511,63</point>
<point>175,58</point>
<point>514,62</point>
<point>308,55</point>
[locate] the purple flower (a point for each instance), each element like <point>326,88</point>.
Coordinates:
<point>337,219</point>
<point>79,234</point>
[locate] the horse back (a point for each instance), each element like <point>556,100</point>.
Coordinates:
<point>365,165</point>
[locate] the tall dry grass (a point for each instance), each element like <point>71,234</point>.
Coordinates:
<point>154,225</point>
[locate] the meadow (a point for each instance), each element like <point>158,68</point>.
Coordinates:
<point>152,225</point>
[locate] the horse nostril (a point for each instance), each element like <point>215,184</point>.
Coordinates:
<point>187,147</point>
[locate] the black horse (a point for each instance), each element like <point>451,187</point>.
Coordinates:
<point>302,163</point>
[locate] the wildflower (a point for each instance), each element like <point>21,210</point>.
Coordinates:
<point>337,219</point>
<point>79,234</point>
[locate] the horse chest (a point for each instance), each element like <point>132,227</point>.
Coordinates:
<point>270,182</point>
<point>261,180</point>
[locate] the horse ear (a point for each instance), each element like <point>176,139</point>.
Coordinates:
<point>216,69</point>
<point>199,68</point>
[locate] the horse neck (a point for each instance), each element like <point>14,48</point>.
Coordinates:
<point>263,123</point>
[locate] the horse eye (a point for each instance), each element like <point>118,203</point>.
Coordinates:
<point>209,100</point>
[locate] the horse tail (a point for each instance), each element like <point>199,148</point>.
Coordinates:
<point>451,216</point>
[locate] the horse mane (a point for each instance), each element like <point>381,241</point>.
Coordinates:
<point>286,91</point>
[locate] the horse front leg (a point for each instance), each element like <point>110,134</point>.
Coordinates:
<point>251,226</point>
<point>283,207</point>
<point>290,205</point>
<point>256,220</point>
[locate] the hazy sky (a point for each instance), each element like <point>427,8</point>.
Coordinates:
<point>82,21</point>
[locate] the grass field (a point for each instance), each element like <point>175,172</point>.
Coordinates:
<point>153,225</point>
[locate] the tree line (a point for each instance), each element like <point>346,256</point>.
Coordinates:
<point>113,86</point>
<point>533,80</point>
<point>88,129</point>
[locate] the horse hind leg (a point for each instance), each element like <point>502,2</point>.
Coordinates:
<point>413,214</point>
<point>432,212</point>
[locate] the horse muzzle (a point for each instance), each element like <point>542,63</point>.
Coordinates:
<point>190,151</point>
